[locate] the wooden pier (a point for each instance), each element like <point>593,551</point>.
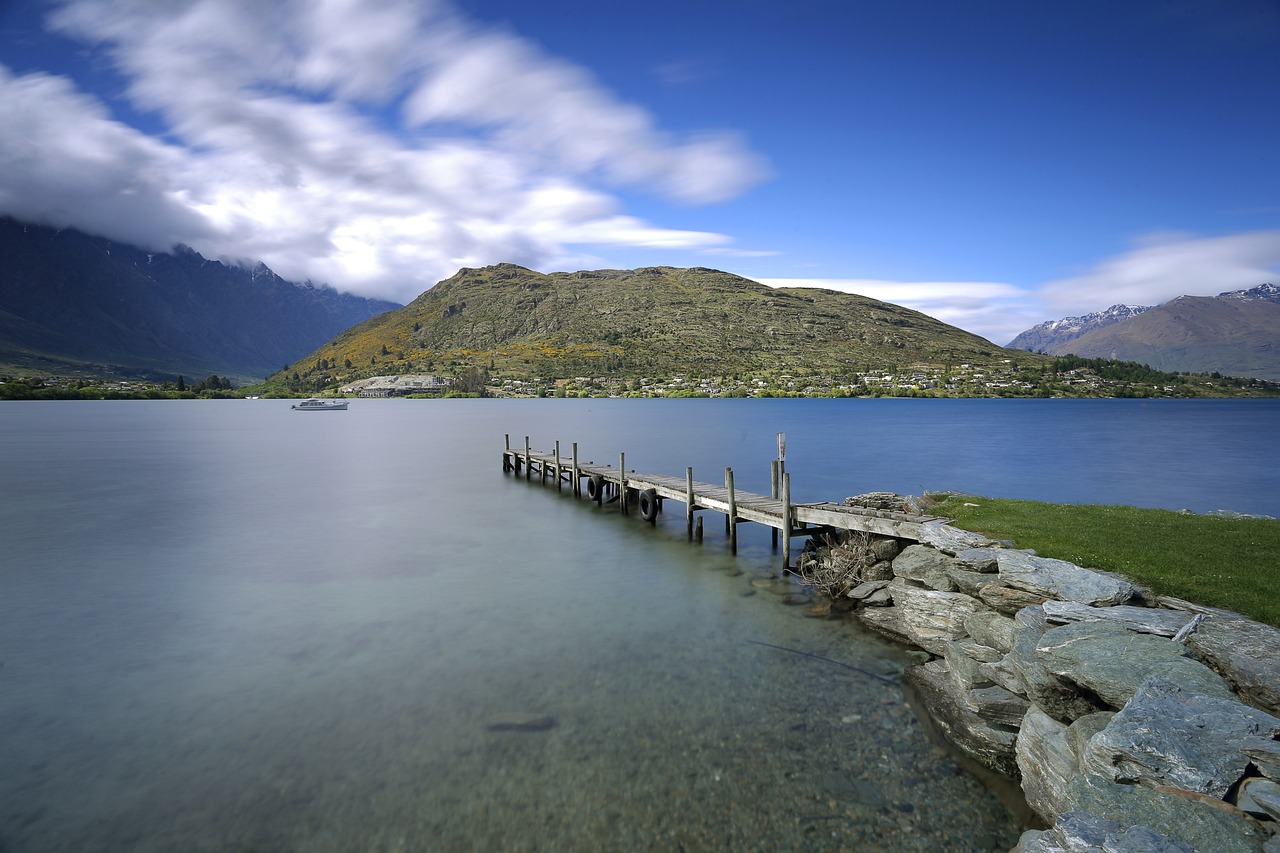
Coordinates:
<point>646,493</point>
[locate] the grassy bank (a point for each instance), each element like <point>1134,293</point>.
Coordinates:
<point>1231,563</point>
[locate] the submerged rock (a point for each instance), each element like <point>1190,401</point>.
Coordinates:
<point>520,723</point>
<point>1076,832</point>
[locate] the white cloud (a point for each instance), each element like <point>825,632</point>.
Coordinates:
<point>1165,266</point>
<point>1161,267</point>
<point>64,161</point>
<point>995,310</point>
<point>377,145</point>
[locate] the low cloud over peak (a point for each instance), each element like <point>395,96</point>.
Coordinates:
<point>378,145</point>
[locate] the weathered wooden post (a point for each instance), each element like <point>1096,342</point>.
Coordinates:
<point>688,500</point>
<point>622,482</point>
<point>786,521</point>
<point>575,477</point>
<point>557,468</point>
<point>528,471</point>
<point>506,448</point>
<point>732,517</point>
<point>697,530</point>
<point>773,493</point>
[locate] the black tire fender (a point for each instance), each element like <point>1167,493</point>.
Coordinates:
<point>647,504</point>
<point>595,488</point>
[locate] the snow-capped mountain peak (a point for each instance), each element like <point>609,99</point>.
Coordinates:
<point>1040,338</point>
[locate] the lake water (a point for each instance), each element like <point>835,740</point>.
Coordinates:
<point>225,625</point>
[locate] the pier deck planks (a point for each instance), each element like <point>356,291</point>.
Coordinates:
<point>806,519</point>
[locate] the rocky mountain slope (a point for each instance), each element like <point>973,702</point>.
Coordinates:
<point>1053,335</point>
<point>1235,333</point>
<point>71,303</point>
<point>656,321</point>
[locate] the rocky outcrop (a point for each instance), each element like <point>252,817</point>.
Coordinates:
<point>1133,722</point>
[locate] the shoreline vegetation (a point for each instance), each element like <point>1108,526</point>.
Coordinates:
<point>1223,562</point>
<point>1064,377</point>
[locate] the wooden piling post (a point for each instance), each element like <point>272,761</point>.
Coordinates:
<point>575,477</point>
<point>688,500</point>
<point>622,482</point>
<point>773,493</point>
<point>697,530</point>
<point>528,470</point>
<point>557,468</point>
<point>733,511</point>
<point>786,521</point>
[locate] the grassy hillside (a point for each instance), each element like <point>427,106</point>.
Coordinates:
<point>657,321</point>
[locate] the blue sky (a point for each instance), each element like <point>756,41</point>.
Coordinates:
<point>994,164</point>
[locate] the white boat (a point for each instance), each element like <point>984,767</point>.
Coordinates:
<point>315,404</point>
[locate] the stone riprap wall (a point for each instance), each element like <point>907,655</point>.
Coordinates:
<point>1134,722</point>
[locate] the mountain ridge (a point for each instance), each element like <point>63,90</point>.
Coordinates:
<point>75,303</point>
<point>1236,333</point>
<point>1054,333</point>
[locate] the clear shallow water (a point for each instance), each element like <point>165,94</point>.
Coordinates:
<point>229,626</point>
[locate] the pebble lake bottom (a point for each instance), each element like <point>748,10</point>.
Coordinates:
<point>230,626</point>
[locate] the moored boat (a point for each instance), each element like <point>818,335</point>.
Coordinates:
<point>315,404</point>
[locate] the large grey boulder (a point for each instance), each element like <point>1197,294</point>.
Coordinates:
<point>924,565</point>
<point>886,620</point>
<point>970,583</point>
<point>991,629</point>
<point>1171,736</point>
<point>1078,832</point>
<point>982,560</point>
<point>965,671</point>
<point>1047,763</point>
<point>1260,797</point>
<point>1246,653</point>
<point>1058,699</point>
<point>1082,730</point>
<point>1201,825</point>
<point>1143,620</point>
<point>996,705</point>
<point>1111,661</point>
<point>932,617</point>
<point>1265,755</point>
<point>1006,599</point>
<point>989,745</point>
<point>948,539</point>
<point>1062,580</point>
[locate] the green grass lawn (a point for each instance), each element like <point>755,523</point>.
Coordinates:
<point>1220,562</point>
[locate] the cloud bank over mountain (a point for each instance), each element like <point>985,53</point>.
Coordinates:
<point>377,145</point>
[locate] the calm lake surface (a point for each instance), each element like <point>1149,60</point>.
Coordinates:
<point>225,625</point>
